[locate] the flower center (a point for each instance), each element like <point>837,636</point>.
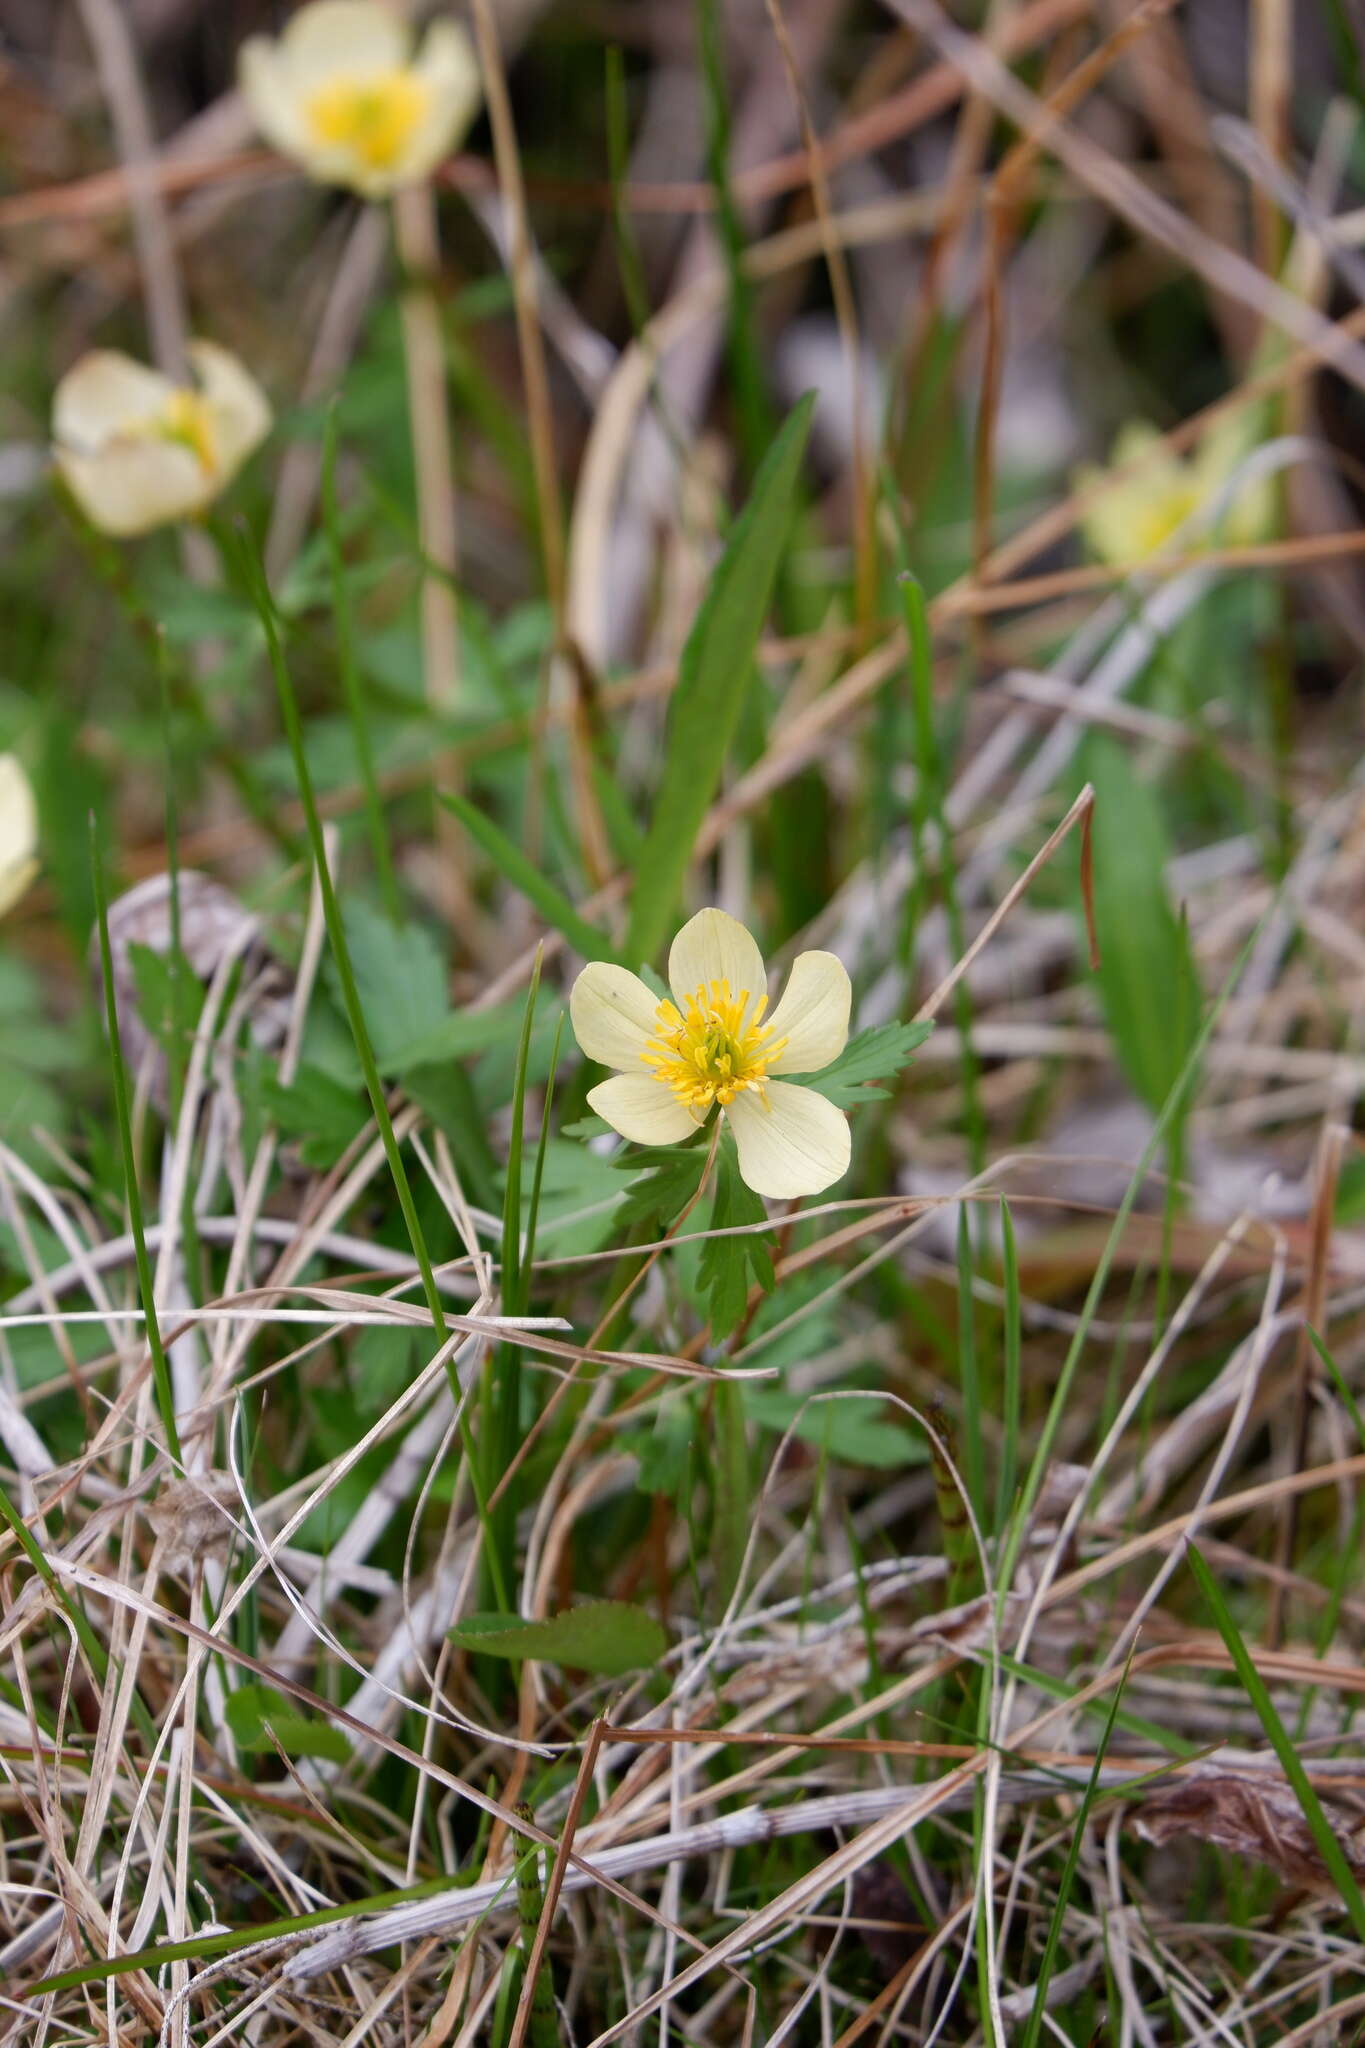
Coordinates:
<point>372,117</point>
<point>713,1048</point>
<point>187,419</point>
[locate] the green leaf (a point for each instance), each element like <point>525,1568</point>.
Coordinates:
<point>170,995</point>
<point>606,1637</point>
<point>262,1719</point>
<point>713,680</point>
<point>401,978</point>
<point>1319,1826</point>
<point>664,1192</point>
<point>872,1056</point>
<point>855,1430</point>
<point>320,1111</point>
<point>728,1263</point>
<point>524,875</point>
<point>1148,982</point>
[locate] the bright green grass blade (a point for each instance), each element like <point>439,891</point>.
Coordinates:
<point>713,680</point>
<point>969,1376</point>
<point>528,1256</point>
<point>630,263</point>
<point>161,1371</point>
<point>1321,1829</point>
<point>502,1383</point>
<point>928,809</point>
<point>349,670</point>
<point>200,1947</point>
<point>336,933</point>
<point>511,1206</point>
<point>544,2021</point>
<point>1061,1394</point>
<point>526,877</point>
<point>96,1654</point>
<point>1347,1398</point>
<point>1011,1397</point>
<point>1054,1933</point>
<point>1147,978</point>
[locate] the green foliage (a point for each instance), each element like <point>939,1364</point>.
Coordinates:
<point>607,1637</point>
<point>170,997</point>
<point>660,1195</point>
<point>713,677</point>
<point>402,983</point>
<point>854,1429</point>
<point>873,1056</point>
<point>263,1721</point>
<point>553,905</point>
<point>1148,982</point>
<point>34,1054</point>
<point>730,1264</point>
<point>321,1112</point>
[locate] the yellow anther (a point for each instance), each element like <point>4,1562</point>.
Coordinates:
<point>712,1050</point>
<point>373,117</point>
<point>187,419</point>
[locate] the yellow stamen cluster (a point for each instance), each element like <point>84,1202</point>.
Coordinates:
<point>1154,524</point>
<point>374,117</point>
<point>713,1049</point>
<point>187,419</point>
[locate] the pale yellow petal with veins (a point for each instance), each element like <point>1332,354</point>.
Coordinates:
<point>637,1107</point>
<point>613,1015</point>
<point>713,947</point>
<point>812,1018</point>
<point>791,1141</point>
<point>18,832</point>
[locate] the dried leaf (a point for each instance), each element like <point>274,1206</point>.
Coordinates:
<point>194,1517</point>
<point>1250,1817</point>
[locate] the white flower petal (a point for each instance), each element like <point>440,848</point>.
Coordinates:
<point>103,395</point>
<point>18,832</point>
<point>812,1015</point>
<point>613,1014</point>
<point>714,947</point>
<point>343,38</point>
<point>447,66</point>
<point>641,1109</point>
<point>273,100</point>
<point>241,411</point>
<point>797,1145</point>
<point>132,486</point>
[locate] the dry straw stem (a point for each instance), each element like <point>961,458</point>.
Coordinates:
<point>1119,188</point>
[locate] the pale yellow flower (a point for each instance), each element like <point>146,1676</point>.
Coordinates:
<point>137,450</point>
<point>343,93</point>
<point>1169,496</point>
<point>18,833</point>
<point>715,1044</point>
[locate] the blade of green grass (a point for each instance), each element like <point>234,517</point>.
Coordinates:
<point>526,877</point>
<point>713,680</point>
<point>1011,1397</point>
<point>161,1371</point>
<point>349,670</point>
<point>1321,1829</point>
<point>336,932</point>
<point>1174,1105</point>
<point>969,1377</point>
<point>1054,1933</point>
